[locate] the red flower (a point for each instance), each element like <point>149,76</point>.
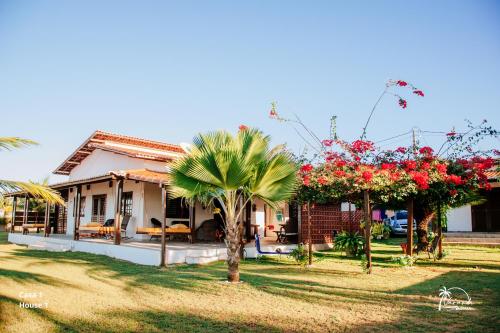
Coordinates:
<point>360,146</point>
<point>339,173</point>
<point>306,168</point>
<point>421,179</point>
<point>425,166</point>
<point>306,180</point>
<point>322,180</point>
<point>453,193</point>
<point>426,151</point>
<point>419,92</point>
<point>451,134</point>
<point>454,179</point>
<point>340,163</point>
<point>441,168</point>
<point>367,176</point>
<point>327,143</point>
<point>401,150</point>
<point>388,166</point>
<point>402,103</point>
<point>243,127</point>
<point>401,83</point>
<point>409,165</point>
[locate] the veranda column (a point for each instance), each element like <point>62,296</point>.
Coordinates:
<point>118,210</point>
<point>78,199</point>
<point>14,208</point>
<point>409,229</point>
<point>163,252</point>
<point>46,221</point>
<point>368,228</point>
<point>25,212</point>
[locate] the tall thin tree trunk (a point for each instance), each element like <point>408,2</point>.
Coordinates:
<point>233,246</point>
<point>368,228</point>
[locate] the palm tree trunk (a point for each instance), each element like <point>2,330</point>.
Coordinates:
<point>233,246</point>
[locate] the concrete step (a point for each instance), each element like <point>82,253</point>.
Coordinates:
<point>201,260</point>
<point>472,244</point>
<point>472,235</point>
<point>47,246</point>
<point>472,240</point>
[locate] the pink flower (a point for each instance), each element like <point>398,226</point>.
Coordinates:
<point>402,103</point>
<point>322,180</point>
<point>419,93</point>
<point>327,143</point>
<point>453,193</point>
<point>360,146</point>
<point>273,114</point>
<point>441,168</point>
<point>306,180</point>
<point>243,127</point>
<point>421,179</point>
<point>452,133</point>
<point>401,83</point>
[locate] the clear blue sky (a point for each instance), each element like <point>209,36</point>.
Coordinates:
<point>167,70</point>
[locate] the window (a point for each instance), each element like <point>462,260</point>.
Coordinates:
<point>126,204</point>
<point>98,208</point>
<point>177,209</point>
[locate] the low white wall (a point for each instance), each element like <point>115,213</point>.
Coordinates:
<point>460,219</point>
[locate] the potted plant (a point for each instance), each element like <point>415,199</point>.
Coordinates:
<point>386,232</point>
<point>350,242</point>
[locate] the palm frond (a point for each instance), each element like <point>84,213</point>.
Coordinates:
<point>9,143</point>
<point>36,190</point>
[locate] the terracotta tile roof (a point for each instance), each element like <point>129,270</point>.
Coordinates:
<point>120,144</point>
<point>493,174</point>
<point>144,175</point>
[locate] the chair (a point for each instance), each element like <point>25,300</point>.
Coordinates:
<point>286,233</point>
<point>155,222</point>
<point>260,252</point>
<point>123,226</point>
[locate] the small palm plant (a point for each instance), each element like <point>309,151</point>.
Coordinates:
<point>350,242</point>
<point>233,170</point>
<point>39,191</point>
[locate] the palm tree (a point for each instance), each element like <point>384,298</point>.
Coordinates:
<point>39,191</point>
<point>233,170</point>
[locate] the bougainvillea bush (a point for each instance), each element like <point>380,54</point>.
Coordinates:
<point>394,176</point>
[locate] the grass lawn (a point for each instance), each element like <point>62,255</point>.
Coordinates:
<point>88,293</point>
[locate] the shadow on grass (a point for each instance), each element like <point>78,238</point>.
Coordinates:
<point>148,320</point>
<point>26,277</point>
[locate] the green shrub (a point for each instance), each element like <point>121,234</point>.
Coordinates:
<point>350,242</point>
<point>404,260</point>
<point>300,254</point>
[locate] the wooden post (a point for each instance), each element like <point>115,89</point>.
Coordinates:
<point>118,210</point>
<point>409,228</point>
<point>163,251</point>
<point>46,221</point>
<point>309,240</point>
<point>14,208</point>
<point>191,222</point>
<point>26,209</point>
<point>78,199</point>
<point>440,231</point>
<point>368,227</point>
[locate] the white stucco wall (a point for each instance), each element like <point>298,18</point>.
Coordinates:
<point>101,162</point>
<point>460,219</point>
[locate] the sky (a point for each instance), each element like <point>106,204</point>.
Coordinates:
<point>166,70</point>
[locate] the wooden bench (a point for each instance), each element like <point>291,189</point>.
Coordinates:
<point>27,226</point>
<point>176,229</point>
